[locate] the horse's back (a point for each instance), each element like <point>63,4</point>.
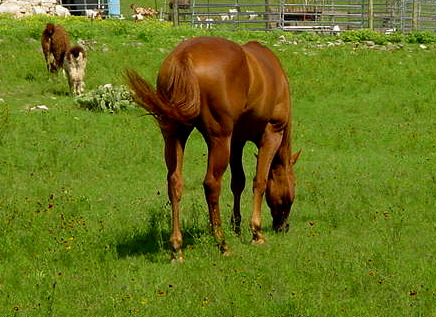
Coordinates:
<point>221,72</point>
<point>268,81</point>
<point>268,98</point>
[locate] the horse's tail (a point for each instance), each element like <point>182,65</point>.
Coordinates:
<point>178,94</point>
<point>49,29</point>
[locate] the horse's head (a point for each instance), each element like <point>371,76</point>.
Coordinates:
<point>280,192</point>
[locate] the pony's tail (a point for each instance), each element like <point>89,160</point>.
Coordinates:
<point>178,94</point>
<point>49,29</point>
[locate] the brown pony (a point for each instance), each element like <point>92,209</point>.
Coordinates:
<point>55,44</point>
<point>232,94</point>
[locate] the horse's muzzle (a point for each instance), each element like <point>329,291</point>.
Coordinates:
<point>283,226</point>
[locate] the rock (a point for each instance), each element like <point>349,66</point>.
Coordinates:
<point>21,8</point>
<point>61,11</point>
<point>369,43</point>
<point>10,7</point>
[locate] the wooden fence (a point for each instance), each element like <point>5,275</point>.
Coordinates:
<point>316,15</point>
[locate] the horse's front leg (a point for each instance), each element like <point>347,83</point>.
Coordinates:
<point>218,160</point>
<point>237,184</point>
<point>268,147</point>
<point>174,150</point>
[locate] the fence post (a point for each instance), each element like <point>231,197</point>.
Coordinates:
<point>371,14</point>
<point>176,13</point>
<point>415,14</point>
<point>281,10</point>
<point>268,14</point>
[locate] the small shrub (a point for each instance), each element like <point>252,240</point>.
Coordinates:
<point>396,37</point>
<point>357,36</point>
<point>422,37</point>
<point>309,37</point>
<point>107,98</point>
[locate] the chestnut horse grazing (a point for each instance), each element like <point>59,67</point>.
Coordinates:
<point>232,94</point>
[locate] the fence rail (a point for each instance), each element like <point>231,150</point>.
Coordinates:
<point>317,15</point>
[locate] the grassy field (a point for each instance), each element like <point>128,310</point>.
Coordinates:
<point>84,216</point>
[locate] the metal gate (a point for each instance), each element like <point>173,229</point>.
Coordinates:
<point>107,8</point>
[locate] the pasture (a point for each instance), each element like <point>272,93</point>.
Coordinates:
<point>84,215</point>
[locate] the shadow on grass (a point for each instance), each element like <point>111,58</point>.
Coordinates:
<point>59,92</point>
<point>155,242</point>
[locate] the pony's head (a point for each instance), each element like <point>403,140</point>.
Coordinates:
<point>280,192</point>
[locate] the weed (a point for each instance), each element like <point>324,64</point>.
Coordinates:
<point>107,98</point>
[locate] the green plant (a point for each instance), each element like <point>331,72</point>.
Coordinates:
<point>4,121</point>
<point>107,98</point>
<point>421,37</point>
<point>396,37</point>
<point>356,36</point>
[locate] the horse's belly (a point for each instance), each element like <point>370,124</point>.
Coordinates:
<point>249,127</point>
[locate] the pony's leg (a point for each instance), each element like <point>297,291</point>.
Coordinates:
<point>237,183</point>
<point>174,150</point>
<point>60,60</point>
<point>46,51</point>
<point>268,147</point>
<point>72,85</point>
<point>47,62</point>
<point>218,160</point>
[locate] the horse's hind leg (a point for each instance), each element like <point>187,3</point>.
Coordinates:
<point>175,141</point>
<point>218,160</point>
<point>237,183</point>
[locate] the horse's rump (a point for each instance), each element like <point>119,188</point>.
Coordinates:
<point>177,86</point>
<point>76,51</point>
<point>55,43</point>
<point>178,100</point>
<point>49,29</point>
<point>191,67</point>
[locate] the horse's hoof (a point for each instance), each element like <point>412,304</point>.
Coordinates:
<point>237,230</point>
<point>227,252</point>
<point>282,228</point>
<point>177,257</point>
<point>180,259</point>
<point>258,241</point>
<point>236,226</point>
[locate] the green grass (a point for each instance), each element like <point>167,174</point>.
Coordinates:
<point>84,217</point>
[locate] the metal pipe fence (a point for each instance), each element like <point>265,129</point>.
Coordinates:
<point>317,15</point>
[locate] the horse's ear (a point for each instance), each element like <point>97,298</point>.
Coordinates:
<point>295,156</point>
